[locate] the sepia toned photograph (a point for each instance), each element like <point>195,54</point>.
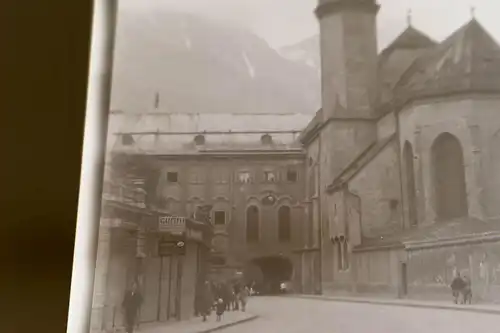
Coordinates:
<point>301,166</point>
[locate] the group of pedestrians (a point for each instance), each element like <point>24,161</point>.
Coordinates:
<point>221,297</point>
<point>461,285</point>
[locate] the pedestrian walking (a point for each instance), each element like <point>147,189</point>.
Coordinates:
<point>131,304</point>
<point>243,297</point>
<point>206,301</point>
<point>466,290</point>
<point>457,285</point>
<point>220,308</point>
<point>236,291</point>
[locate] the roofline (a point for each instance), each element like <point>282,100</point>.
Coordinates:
<point>208,132</point>
<point>295,153</point>
<point>487,237</point>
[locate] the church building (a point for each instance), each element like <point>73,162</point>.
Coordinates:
<point>403,159</point>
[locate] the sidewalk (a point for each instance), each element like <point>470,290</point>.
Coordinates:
<point>196,325</point>
<point>444,305</point>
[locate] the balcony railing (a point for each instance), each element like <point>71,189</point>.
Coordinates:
<point>130,195</point>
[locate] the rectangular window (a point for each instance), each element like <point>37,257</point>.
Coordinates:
<point>221,175</point>
<point>196,176</point>
<point>269,177</point>
<point>244,177</point>
<point>291,176</point>
<point>219,217</point>
<point>172,177</point>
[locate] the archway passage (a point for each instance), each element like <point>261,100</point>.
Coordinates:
<point>275,270</point>
<point>449,178</point>
<point>410,183</point>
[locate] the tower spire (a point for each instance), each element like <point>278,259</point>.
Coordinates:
<point>472,12</point>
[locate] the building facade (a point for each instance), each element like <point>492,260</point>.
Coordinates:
<point>405,150</point>
<point>253,180</point>
<point>391,187</point>
<point>132,248</point>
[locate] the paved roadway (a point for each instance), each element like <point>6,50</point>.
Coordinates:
<point>294,315</point>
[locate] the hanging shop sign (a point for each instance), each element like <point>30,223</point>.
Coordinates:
<point>172,224</point>
<point>168,248</point>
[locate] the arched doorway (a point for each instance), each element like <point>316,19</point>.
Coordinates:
<point>449,177</point>
<point>410,183</point>
<point>274,270</point>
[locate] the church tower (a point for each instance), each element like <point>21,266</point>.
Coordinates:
<point>349,66</point>
<point>348,41</point>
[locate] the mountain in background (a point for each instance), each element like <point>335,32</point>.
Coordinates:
<point>305,52</point>
<point>201,66</point>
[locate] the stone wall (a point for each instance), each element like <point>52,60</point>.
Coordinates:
<point>379,187</point>
<point>473,120</point>
<point>430,271</point>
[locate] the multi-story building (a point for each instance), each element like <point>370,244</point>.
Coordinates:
<point>133,246</point>
<point>254,181</point>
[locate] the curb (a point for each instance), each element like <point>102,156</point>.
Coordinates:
<point>224,326</point>
<point>465,308</point>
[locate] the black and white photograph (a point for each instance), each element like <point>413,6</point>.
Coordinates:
<point>300,166</point>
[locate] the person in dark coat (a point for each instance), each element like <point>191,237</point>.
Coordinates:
<point>466,291</point>
<point>206,301</point>
<point>457,285</point>
<point>227,295</point>
<point>131,304</point>
<point>236,300</point>
<point>220,307</point>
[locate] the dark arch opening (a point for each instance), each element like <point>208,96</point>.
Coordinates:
<point>252,224</point>
<point>410,183</point>
<point>284,224</point>
<point>449,177</point>
<point>274,270</point>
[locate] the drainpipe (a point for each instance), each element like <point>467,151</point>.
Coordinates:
<point>320,229</point>
<point>403,199</point>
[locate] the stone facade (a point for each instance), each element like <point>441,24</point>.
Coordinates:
<point>405,150</point>
<point>232,186</point>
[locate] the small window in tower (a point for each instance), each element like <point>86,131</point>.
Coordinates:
<point>219,217</point>
<point>127,140</point>
<point>172,177</point>
<point>291,176</point>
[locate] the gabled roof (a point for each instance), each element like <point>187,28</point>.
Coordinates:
<point>467,60</point>
<point>410,38</point>
<point>395,60</point>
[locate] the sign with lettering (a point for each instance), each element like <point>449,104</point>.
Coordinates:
<point>172,224</point>
<point>168,248</point>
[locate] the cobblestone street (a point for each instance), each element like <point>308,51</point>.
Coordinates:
<point>295,315</point>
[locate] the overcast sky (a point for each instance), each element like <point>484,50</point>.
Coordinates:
<point>283,22</point>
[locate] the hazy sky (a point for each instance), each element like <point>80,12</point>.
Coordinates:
<point>283,22</point>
